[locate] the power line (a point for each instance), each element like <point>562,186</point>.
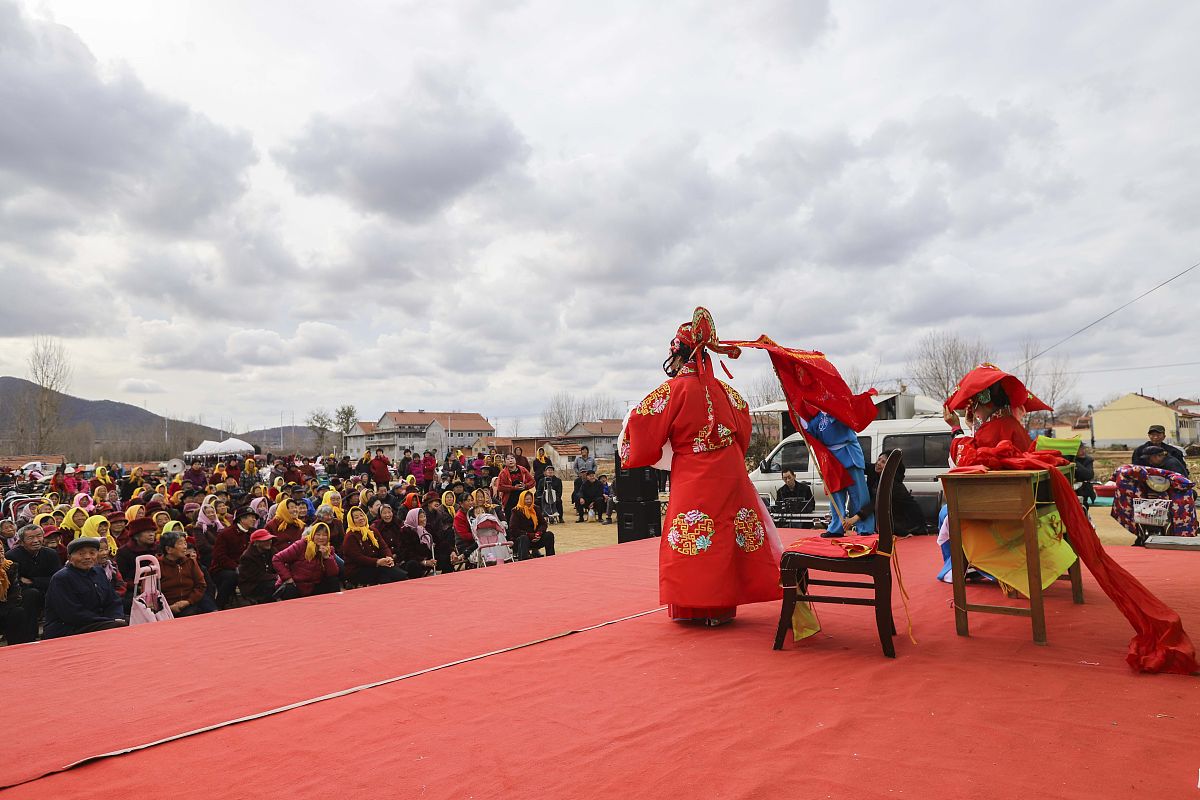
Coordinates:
<point>1109,314</point>
<point>1118,369</point>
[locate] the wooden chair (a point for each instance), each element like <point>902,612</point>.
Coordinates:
<point>796,563</point>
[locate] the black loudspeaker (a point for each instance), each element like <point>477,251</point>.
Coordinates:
<point>638,520</point>
<point>638,484</point>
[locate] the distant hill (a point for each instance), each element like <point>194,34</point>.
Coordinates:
<point>296,439</point>
<point>92,429</point>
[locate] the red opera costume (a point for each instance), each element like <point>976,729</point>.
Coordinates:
<point>719,546</point>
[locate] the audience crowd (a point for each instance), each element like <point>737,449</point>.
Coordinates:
<point>244,531</point>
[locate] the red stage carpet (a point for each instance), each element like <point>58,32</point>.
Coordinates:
<point>640,708</point>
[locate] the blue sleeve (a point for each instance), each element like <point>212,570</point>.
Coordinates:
<point>64,597</point>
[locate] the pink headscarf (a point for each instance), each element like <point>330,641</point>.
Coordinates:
<point>259,504</point>
<point>411,519</point>
<point>84,500</point>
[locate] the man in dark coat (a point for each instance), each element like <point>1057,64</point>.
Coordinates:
<point>80,598</point>
<point>36,565</point>
<point>1156,436</point>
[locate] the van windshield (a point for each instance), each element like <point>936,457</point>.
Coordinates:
<point>793,456</point>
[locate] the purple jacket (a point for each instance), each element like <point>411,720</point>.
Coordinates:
<point>291,563</point>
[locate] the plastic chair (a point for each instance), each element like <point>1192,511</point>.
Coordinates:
<point>800,558</point>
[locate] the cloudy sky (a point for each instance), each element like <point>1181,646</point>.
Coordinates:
<point>236,209</point>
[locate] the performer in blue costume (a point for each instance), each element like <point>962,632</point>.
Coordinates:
<point>842,441</point>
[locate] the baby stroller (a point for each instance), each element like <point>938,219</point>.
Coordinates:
<point>493,547</point>
<point>149,605</point>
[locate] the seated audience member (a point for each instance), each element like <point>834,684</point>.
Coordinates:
<point>1085,475</point>
<point>368,558</point>
<point>288,525</point>
<point>464,536</point>
<point>182,582</point>
<point>527,528</point>
<point>907,517</point>
<point>1161,458</point>
<point>414,545</point>
<point>609,500</point>
<point>107,562</point>
<point>36,565</point>
<point>8,534</point>
<point>337,532</point>
<point>140,543</point>
<point>55,540</point>
<point>387,527</point>
<point>1156,437</point>
<point>260,504</point>
<point>13,619</point>
<point>308,566</point>
<point>72,524</point>
<point>160,518</point>
<point>256,572</point>
<point>96,527</point>
<point>439,522</point>
<point>590,496</point>
<point>80,599</point>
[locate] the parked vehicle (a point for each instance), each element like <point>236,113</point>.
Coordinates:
<point>924,441</point>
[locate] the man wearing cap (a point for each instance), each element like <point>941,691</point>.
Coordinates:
<point>36,564</point>
<point>227,552</point>
<point>255,572</point>
<point>1157,436</point>
<point>80,598</point>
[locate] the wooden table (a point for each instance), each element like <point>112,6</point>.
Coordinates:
<point>1000,495</point>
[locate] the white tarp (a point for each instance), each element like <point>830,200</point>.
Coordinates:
<point>205,448</point>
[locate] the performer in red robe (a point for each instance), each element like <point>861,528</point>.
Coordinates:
<point>719,547</point>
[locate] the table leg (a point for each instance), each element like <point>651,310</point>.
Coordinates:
<point>1076,573</point>
<point>958,571</point>
<point>1034,571</point>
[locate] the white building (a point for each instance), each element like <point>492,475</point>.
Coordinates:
<point>396,431</point>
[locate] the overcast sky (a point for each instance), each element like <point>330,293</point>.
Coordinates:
<point>236,209</point>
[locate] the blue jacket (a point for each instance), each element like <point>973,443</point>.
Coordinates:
<point>840,438</point>
<point>77,598</point>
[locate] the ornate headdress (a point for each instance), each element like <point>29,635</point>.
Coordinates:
<point>693,338</point>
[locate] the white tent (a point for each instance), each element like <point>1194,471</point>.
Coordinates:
<point>229,447</point>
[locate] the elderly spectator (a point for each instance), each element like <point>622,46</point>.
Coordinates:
<point>80,599</point>
<point>288,525</point>
<point>414,546</point>
<point>1156,437</point>
<point>539,464</point>
<point>337,532</point>
<point>182,582</point>
<point>307,567</point>
<point>387,527</point>
<point>1161,458</point>
<point>464,536</point>
<point>227,551</point>
<point>195,474</point>
<point>140,543</point>
<point>527,528</point>
<point>36,565</point>
<point>550,488</point>
<point>439,521</point>
<point>256,572</point>
<point>14,621</point>
<point>368,558</point>
<point>590,496</point>
<point>583,464</point>
<point>514,479</point>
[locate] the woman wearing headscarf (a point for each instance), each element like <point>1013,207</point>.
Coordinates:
<point>259,505</point>
<point>414,546</point>
<point>287,525</point>
<point>100,500</point>
<point>73,522</point>
<point>101,478</point>
<point>439,521</point>
<point>307,566</point>
<point>540,462</point>
<point>96,527</point>
<point>527,528</point>
<point>368,557</point>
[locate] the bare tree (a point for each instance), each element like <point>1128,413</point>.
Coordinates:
<point>565,409</point>
<point>862,377</point>
<point>345,417</point>
<point>50,369</point>
<point>320,423</point>
<point>941,359</point>
<point>514,428</point>
<point>1051,379</point>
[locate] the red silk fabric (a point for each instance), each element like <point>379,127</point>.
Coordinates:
<point>1160,644</point>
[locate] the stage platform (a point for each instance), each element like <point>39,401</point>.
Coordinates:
<point>640,708</point>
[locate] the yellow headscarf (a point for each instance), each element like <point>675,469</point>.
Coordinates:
<point>448,500</point>
<point>278,483</point>
<point>41,520</point>
<point>363,531</point>
<point>529,511</point>
<point>325,499</point>
<point>284,514</point>
<point>411,480</point>
<point>137,493</point>
<point>131,513</point>
<point>310,551</point>
<point>173,525</point>
<point>91,530</point>
<point>4,581</point>
<point>251,467</point>
<point>70,526</point>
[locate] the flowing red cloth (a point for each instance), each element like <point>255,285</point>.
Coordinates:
<point>1160,643</point>
<point>810,382</point>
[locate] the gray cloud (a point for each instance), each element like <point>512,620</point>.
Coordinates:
<point>410,158</point>
<point>140,386</point>
<point>105,144</point>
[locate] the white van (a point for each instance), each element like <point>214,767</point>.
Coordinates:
<point>924,441</point>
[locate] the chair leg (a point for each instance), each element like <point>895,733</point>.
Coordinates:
<point>883,613</point>
<point>785,616</point>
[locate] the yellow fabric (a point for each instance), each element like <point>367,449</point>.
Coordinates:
<point>528,510</point>
<point>327,499</point>
<point>131,513</point>
<point>310,551</point>
<point>42,520</point>
<point>91,530</point>
<point>70,526</point>
<point>283,513</point>
<point>173,525</point>
<point>364,531</point>
<point>998,548</point>
<point>448,500</point>
<point>4,581</point>
<point>804,620</point>
<point>250,467</point>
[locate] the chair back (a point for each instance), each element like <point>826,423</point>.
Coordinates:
<point>883,500</point>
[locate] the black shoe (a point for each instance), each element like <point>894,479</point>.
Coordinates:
<point>830,535</point>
